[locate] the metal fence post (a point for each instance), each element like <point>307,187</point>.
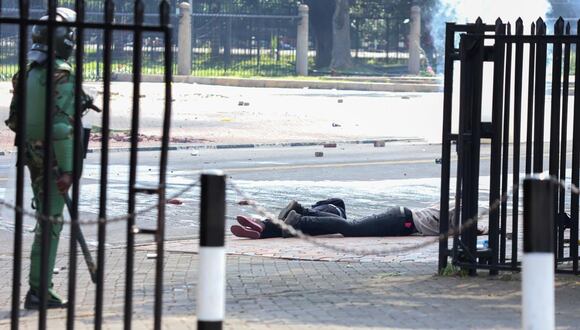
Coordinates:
<point>302,41</point>
<point>184,40</point>
<point>212,257</point>
<point>538,261</point>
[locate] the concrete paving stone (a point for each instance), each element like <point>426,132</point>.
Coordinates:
<point>270,293</point>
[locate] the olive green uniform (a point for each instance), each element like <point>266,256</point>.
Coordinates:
<point>62,143</point>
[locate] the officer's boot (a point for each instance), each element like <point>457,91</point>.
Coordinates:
<point>33,296</point>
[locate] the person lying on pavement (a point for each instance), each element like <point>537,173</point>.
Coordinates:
<point>329,217</point>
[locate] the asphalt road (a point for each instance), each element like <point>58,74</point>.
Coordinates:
<point>367,178</point>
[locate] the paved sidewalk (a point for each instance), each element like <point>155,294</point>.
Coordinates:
<point>293,293</point>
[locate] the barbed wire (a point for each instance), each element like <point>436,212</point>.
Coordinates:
<point>296,232</point>
<point>42,217</point>
<point>384,251</point>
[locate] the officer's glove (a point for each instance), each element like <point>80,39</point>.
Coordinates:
<point>64,182</point>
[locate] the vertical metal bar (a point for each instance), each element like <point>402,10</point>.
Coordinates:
<point>561,206</point>
<point>574,198</point>
<point>518,77</point>
<point>164,22</point>
<point>446,143</point>
<point>472,54</point>
<point>77,164</point>
<point>530,114</point>
<point>495,161</point>
<point>137,61</point>
<point>555,119</point>
<point>21,129</point>
<point>48,156</point>
<point>505,149</point>
<point>102,227</point>
<point>540,97</point>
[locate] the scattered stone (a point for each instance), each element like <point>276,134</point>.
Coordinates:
<point>340,100</point>
<point>246,104</point>
<point>438,160</point>
<point>330,145</point>
<point>405,97</point>
<point>195,153</point>
<point>241,103</point>
<point>379,144</point>
<point>174,201</point>
<point>318,154</point>
<point>336,125</point>
<point>151,255</point>
<point>244,202</point>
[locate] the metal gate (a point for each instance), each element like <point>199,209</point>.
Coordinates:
<point>517,101</point>
<point>137,27</point>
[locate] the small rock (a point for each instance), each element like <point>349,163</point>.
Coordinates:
<point>244,202</point>
<point>195,153</point>
<point>174,201</point>
<point>151,255</point>
<point>246,104</point>
<point>340,100</point>
<point>438,160</point>
<point>330,145</point>
<point>241,103</point>
<point>379,144</point>
<point>318,154</point>
<point>336,125</point>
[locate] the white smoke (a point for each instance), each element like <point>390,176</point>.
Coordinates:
<point>467,11</point>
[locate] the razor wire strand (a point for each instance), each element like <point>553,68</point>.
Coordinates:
<point>81,222</point>
<point>291,230</point>
<point>384,251</point>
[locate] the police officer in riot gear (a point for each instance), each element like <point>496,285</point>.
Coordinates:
<point>62,143</point>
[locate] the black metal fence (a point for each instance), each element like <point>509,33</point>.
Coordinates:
<point>380,40</point>
<point>516,128</point>
<point>137,26</point>
<point>244,44</point>
<point>122,41</point>
<point>244,38</point>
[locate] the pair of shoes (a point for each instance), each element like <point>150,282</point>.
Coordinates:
<point>292,206</point>
<point>292,219</point>
<point>248,228</point>
<point>32,301</point>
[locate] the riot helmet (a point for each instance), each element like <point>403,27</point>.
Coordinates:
<point>64,37</point>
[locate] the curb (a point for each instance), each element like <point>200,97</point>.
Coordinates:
<point>404,87</point>
<point>259,145</point>
<point>325,144</point>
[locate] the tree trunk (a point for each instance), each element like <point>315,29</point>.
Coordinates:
<point>341,58</point>
<point>321,12</point>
